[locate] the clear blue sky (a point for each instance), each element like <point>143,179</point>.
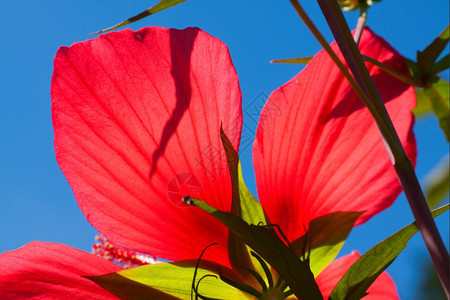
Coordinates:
<point>37,202</point>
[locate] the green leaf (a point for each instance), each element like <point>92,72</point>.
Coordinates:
<point>245,206</point>
<point>237,250</point>
<point>169,281</point>
<point>265,241</point>
<point>434,97</point>
<point>438,94</point>
<point>325,237</point>
<point>161,5</point>
<point>423,107</point>
<point>359,277</point>
<point>298,60</point>
<point>251,210</point>
<point>437,183</point>
<point>427,57</point>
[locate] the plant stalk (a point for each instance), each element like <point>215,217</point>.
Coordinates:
<point>361,23</point>
<point>402,164</point>
<point>358,89</point>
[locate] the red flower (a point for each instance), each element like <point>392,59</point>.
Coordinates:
<point>51,271</point>
<point>137,119</point>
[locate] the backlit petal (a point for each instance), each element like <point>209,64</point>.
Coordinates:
<point>317,148</point>
<point>137,119</point>
<point>383,288</point>
<point>52,271</point>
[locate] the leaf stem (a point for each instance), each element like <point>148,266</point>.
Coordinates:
<point>413,82</point>
<point>402,164</point>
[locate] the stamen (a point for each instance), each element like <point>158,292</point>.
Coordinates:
<point>122,257</point>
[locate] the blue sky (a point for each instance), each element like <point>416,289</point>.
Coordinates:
<point>37,202</point>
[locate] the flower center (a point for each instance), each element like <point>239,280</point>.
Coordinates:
<point>269,291</point>
<point>273,294</point>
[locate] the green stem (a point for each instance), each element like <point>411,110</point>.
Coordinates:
<point>402,164</point>
<point>408,80</point>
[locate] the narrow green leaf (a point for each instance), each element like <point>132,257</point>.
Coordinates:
<point>161,5</point>
<point>394,73</point>
<point>441,65</point>
<point>427,57</point>
<point>298,60</point>
<point>169,281</point>
<point>265,241</point>
<point>324,239</point>
<point>437,183</point>
<point>245,206</point>
<point>438,93</point>
<point>237,250</point>
<point>354,284</point>
<point>251,210</point>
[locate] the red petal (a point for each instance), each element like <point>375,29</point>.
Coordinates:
<point>383,288</point>
<point>48,270</point>
<point>317,148</point>
<point>137,119</point>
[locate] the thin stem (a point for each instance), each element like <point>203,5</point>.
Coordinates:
<point>361,23</point>
<point>426,224</point>
<point>343,39</point>
<point>361,93</point>
<point>403,166</point>
<point>408,80</point>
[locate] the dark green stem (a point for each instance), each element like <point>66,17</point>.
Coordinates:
<point>402,164</point>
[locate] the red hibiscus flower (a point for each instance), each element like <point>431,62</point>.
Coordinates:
<point>137,119</point>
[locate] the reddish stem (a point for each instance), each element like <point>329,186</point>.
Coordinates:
<point>403,166</point>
